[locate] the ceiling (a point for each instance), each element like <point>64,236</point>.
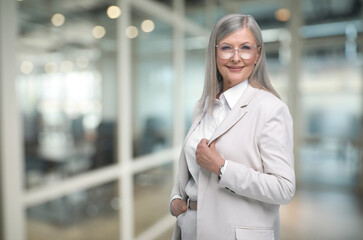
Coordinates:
<point>39,35</point>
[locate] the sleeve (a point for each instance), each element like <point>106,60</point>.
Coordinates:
<point>276,184</point>
<point>177,192</point>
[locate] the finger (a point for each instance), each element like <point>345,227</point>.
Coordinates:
<point>204,141</point>
<point>201,145</point>
<point>213,145</point>
<point>183,206</point>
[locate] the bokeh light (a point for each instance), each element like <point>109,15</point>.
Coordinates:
<point>132,32</point>
<point>147,26</point>
<point>58,19</point>
<point>283,14</point>
<point>26,67</point>
<point>67,66</point>
<point>50,67</point>
<point>113,12</point>
<point>98,32</point>
<point>82,61</point>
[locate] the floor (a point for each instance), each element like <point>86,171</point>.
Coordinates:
<point>320,214</point>
<point>314,214</point>
<point>323,214</point>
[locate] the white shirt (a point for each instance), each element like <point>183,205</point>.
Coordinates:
<point>205,129</point>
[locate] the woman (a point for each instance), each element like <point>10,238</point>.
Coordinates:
<point>236,166</point>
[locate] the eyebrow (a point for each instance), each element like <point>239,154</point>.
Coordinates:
<point>239,44</point>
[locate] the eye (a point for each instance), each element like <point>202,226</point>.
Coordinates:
<point>245,47</point>
<point>225,48</point>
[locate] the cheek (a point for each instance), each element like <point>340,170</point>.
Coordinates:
<point>249,69</point>
<point>220,67</point>
<point>220,63</point>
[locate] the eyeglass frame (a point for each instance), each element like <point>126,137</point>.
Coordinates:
<point>238,49</point>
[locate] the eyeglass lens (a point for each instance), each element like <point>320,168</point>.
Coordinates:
<point>245,51</point>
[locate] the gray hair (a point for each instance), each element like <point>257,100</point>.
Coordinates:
<point>213,82</point>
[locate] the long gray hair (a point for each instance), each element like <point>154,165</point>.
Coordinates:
<point>213,82</point>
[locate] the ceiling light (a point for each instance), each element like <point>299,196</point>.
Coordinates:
<point>26,67</point>
<point>131,32</point>
<point>147,26</point>
<point>66,66</point>
<point>283,14</point>
<point>98,32</point>
<point>82,61</point>
<point>58,19</point>
<point>113,12</point>
<point>50,67</point>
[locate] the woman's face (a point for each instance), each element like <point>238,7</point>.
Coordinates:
<point>235,69</point>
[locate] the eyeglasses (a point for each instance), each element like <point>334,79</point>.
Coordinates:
<point>245,51</point>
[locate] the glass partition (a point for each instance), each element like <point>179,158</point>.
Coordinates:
<point>152,190</point>
<point>331,88</point>
<point>86,215</point>
<point>152,83</point>
<point>278,70</point>
<point>66,88</point>
<point>168,3</point>
<point>195,51</point>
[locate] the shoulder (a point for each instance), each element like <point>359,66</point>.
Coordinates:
<point>268,104</point>
<point>266,99</point>
<point>266,96</point>
<point>198,108</point>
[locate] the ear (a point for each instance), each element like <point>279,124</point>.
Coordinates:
<point>257,57</point>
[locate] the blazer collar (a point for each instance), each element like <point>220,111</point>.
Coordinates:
<point>237,112</point>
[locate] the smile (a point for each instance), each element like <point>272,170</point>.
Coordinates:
<point>235,68</point>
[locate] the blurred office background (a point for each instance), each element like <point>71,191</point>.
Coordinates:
<point>96,97</point>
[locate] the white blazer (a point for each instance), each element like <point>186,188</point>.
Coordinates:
<point>257,139</point>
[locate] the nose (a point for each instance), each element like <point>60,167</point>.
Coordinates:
<point>235,57</point>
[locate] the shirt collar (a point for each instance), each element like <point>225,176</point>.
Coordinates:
<point>231,96</point>
<point>234,93</point>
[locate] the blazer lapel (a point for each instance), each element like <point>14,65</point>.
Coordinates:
<point>195,123</point>
<point>183,169</point>
<point>237,112</point>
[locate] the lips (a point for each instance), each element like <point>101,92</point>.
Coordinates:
<point>235,68</point>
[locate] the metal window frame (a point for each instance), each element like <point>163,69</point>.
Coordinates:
<point>13,217</point>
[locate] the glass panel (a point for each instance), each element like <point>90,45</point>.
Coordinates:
<point>86,215</point>
<point>332,88</point>
<point>195,51</point>
<point>168,3</point>
<point>167,235</point>
<point>152,191</point>
<point>196,11</point>
<point>152,73</point>
<point>66,87</point>
<point>277,68</point>
<point>207,13</point>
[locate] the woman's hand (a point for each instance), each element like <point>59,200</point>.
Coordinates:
<point>178,206</point>
<point>208,157</point>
